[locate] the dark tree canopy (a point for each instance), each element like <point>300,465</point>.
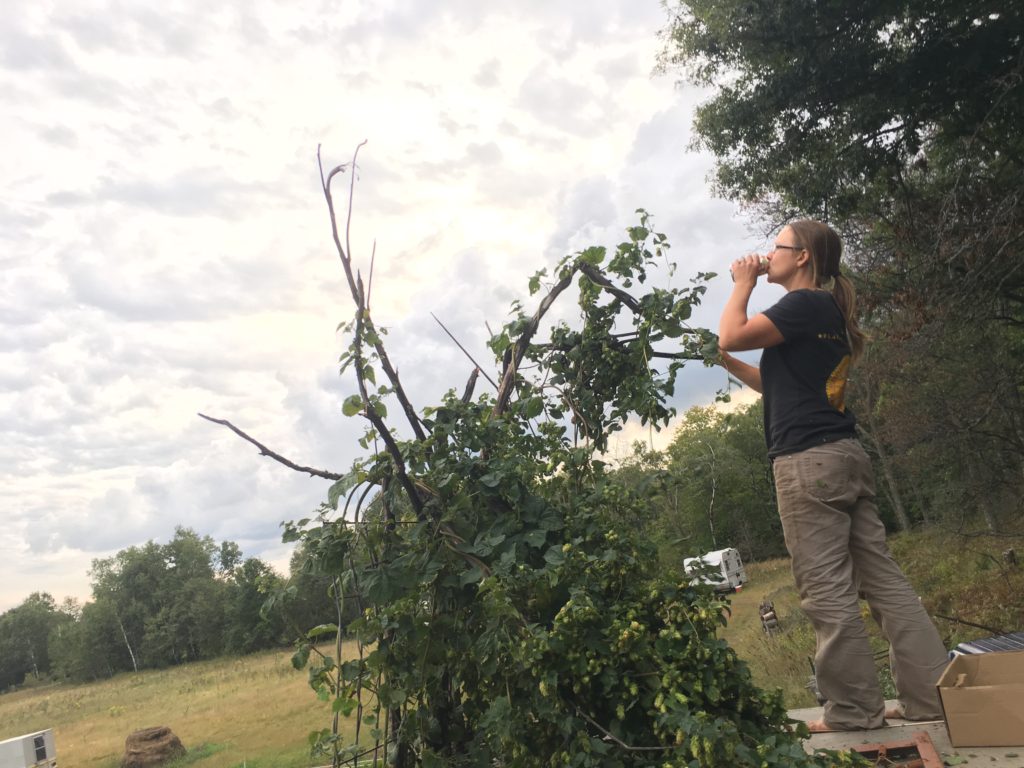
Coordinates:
<point>818,101</point>
<point>898,122</point>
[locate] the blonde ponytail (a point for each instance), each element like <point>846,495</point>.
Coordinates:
<point>846,297</point>
<point>826,249</point>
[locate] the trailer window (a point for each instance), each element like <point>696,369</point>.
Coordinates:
<point>40,744</point>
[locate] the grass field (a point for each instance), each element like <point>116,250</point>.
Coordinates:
<point>255,712</point>
<point>963,577</point>
<point>251,712</point>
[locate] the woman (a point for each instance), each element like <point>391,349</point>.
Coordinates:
<point>824,481</point>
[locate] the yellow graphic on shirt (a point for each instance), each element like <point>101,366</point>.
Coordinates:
<point>835,387</point>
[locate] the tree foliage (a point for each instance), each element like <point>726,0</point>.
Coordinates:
<point>153,605</point>
<point>711,488</point>
<point>25,633</point>
<point>511,611</point>
<point>897,122</point>
<point>819,102</point>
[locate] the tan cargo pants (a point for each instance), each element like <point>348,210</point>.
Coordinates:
<point>837,545</point>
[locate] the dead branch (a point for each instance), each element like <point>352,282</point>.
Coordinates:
<point>467,394</point>
<point>345,254</point>
<point>264,451</point>
<point>508,377</point>
<point>452,337</point>
<point>958,620</point>
<point>371,413</point>
<point>676,355</point>
<point>608,735</point>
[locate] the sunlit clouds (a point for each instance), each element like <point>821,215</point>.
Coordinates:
<point>166,248</point>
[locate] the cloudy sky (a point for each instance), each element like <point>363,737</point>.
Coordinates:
<point>165,247</point>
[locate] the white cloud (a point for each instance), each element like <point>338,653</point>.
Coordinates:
<point>166,247</point>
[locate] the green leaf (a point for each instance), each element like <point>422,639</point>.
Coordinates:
<point>472,576</point>
<point>672,329</point>
<point>533,407</point>
<point>535,281</point>
<point>343,705</point>
<point>339,488</point>
<point>353,404</point>
<point>536,538</point>
<point>491,479</point>
<point>554,556</point>
<point>301,656</point>
<point>322,629</point>
<point>638,234</point>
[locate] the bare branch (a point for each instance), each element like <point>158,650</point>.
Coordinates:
<point>613,738</point>
<point>264,451</point>
<point>396,457</point>
<point>371,413</point>
<point>474,362</point>
<point>508,377</point>
<point>361,300</point>
<point>676,355</point>
<point>392,374</point>
<point>467,394</point>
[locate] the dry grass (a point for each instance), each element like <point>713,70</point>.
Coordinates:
<point>251,712</point>
<point>779,661</point>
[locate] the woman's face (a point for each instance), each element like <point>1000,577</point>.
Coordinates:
<point>785,258</point>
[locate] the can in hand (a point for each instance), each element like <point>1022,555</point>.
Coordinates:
<point>762,267</point>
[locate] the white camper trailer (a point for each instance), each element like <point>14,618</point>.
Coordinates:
<point>722,568</point>
<point>33,750</point>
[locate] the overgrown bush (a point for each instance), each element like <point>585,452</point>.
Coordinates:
<point>512,612</point>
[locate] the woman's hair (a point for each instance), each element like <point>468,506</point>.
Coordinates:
<point>826,250</point>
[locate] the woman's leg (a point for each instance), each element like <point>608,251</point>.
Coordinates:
<point>917,654</point>
<point>814,495</point>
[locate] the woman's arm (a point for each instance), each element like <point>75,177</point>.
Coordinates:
<point>748,374</point>
<point>737,332</point>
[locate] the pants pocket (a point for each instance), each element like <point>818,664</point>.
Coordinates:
<point>824,473</point>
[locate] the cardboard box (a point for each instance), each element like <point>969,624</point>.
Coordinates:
<point>983,699</point>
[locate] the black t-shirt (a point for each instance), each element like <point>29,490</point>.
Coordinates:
<point>804,378</point>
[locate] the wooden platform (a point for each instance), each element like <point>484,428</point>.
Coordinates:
<point>903,730</point>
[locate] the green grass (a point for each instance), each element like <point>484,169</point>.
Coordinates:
<point>251,712</point>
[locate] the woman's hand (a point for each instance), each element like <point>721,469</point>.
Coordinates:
<point>745,270</point>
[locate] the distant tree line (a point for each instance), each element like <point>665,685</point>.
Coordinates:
<point>157,605</point>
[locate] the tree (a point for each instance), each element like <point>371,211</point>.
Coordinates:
<point>897,122</point>
<point>25,638</point>
<point>248,625</point>
<point>162,603</point>
<point>816,101</point>
<point>719,463</point>
<point>188,621</point>
<point>503,586</point>
<point>92,647</point>
<point>948,443</point>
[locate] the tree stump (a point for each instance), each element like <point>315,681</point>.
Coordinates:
<point>151,747</point>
